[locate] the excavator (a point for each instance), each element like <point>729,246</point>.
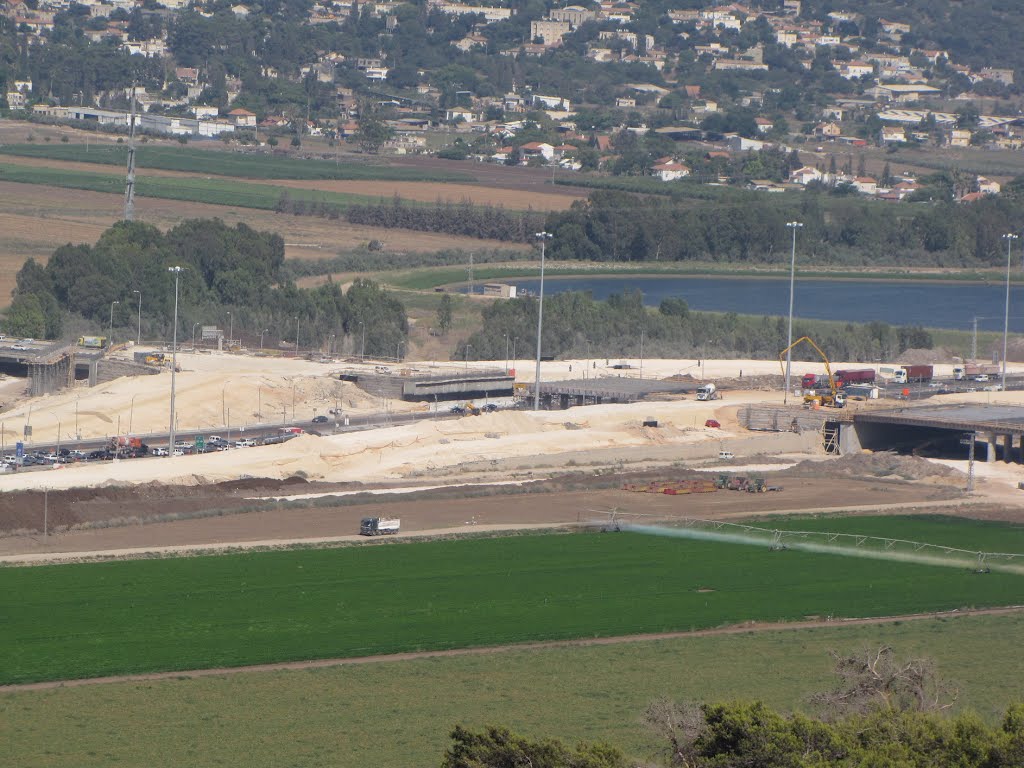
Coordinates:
<point>834,398</point>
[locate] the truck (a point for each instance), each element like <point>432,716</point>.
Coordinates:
<point>854,376</point>
<point>379,526</point>
<point>972,370</point>
<point>708,392</point>
<point>92,342</point>
<point>127,447</point>
<point>913,373</point>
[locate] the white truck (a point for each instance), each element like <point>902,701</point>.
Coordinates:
<point>708,392</point>
<point>379,526</point>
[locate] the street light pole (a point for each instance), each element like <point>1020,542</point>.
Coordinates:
<point>362,347</point>
<point>176,271</point>
<point>296,335</point>
<point>138,337</point>
<point>265,330</point>
<point>194,336</point>
<point>543,237</point>
<point>1009,237</point>
<point>111,332</point>
<point>506,353</point>
<point>794,226</point>
<point>468,347</point>
<point>231,329</point>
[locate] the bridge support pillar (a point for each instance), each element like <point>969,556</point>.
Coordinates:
<point>990,446</point>
<point>1007,448</point>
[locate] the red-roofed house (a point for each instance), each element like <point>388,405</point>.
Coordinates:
<point>242,118</point>
<point>670,171</point>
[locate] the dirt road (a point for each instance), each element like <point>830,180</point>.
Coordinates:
<point>429,512</point>
<point>482,651</point>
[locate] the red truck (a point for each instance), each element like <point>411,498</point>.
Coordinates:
<point>915,373</point>
<point>854,376</point>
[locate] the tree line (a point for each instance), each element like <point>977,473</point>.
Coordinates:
<point>578,326</point>
<point>487,222</point>
<point>232,277</point>
<point>619,226</point>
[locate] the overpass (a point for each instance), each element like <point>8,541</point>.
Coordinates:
<point>51,367</point>
<point>943,427</point>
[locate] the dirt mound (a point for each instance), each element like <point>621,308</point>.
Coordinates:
<point>926,356</point>
<point>881,465</point>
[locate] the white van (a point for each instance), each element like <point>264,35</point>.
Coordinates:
<point>726,455</point>
<point>245,443</point>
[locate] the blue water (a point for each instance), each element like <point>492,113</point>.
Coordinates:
<point>934,305</point>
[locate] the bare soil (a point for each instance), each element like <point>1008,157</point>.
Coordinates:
<point>138,516</point>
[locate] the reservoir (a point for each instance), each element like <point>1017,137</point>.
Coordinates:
<point>932,305</point>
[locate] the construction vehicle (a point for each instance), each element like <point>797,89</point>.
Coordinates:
<point>155,358</point>
<point>127,447</point>
<point>708,392</point>
<point>92,342</point>
<point>379,526</point>
<point>816,397</point>
<point>465,409</point>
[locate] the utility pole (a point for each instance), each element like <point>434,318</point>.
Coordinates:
<point>176,271</point>
<point>543,237</point>
<point>974,341</point>
<point>138,337</point>
<point>793,225</point>
<point>1009,238</point>
<point>129,183</point>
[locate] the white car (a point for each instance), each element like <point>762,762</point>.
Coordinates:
<point>158,452</point>
<point>982,377</point>
<point>19,347</point>
<point>246,443</point>
<point>726,455</point>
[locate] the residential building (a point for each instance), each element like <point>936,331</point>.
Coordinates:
<point>550,32</point>
<point>670,171</point>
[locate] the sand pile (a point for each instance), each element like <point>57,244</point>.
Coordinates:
<point>882,465</point>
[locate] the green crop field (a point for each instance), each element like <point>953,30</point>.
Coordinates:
<point>399,714</point>
<point>222,163</point>
<point>108,618</point>
<point>213,191</point>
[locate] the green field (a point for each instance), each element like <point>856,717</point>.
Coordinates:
<point>213,191</point>
<point>398,714</point>
<point>108,618</point>
<point>223,163</point>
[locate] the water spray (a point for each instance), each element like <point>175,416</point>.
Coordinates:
<point>776,539</point>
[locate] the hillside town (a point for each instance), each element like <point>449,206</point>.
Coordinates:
<point>705,89</point>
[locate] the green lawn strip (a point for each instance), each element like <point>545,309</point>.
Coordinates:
<point>120,617</point>
<point>398,714</point>
<point>222,163</point>
<point>432,277</point>
<point>941,530</point>
<point>212,191</point>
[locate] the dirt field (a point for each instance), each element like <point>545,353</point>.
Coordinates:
<point>424,512</point>
<point>36,220</point>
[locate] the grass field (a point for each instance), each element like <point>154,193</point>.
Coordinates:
<point>97,619</point>
<point>213,191</point>
<point>398,715</point>
<point>224,163</point>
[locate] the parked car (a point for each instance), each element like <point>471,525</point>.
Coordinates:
<point>713,423</point>
<point>19,347</point>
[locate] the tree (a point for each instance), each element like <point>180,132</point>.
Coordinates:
<point>444,314</point>
<point>372,132</point>
<point>877,679</point>
<point>25,317</point>
<point>495,747</point>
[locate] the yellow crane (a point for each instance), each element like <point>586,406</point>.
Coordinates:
<point>829,399</point>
